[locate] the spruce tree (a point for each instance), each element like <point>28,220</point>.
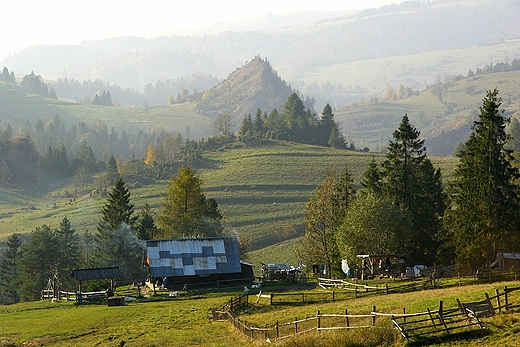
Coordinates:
<point>483,212</point>
<point>118,208</point>
<point>146,228</point>
<point>69,252</point>
<point>371,181</point>
<point>409,178</point>
<point>9,270</point>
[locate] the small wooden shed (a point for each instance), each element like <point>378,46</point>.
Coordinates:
<point>506,261</point>
<point>380,265</point>
<point>111,273</point>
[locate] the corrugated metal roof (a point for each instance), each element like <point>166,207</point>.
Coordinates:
<point>190,257</point>
<point>96,274</point>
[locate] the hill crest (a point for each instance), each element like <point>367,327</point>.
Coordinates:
<point>252,86</point>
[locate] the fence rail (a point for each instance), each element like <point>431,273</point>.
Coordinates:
<point>415,326</point>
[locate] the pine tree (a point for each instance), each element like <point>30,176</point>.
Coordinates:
<point>9,270</point>
<point>118,208</point>
<point>371,181</point>
<point>39,262</point>
<point>258,123</point>
<point>112,172</point>
<point>146,228</point>
<point>484,204</point>
<point>69,250</point>
<point>410,179</point>
<point>185,210</point>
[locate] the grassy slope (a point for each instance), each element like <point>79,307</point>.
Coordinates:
<point>413,70</point>
<point>17,106</point>
<point>259,191</point>
<point>372,124</point>
<point>187,322</point>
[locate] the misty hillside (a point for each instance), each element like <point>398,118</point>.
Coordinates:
<point>255,85</point>
<point>409,28</point>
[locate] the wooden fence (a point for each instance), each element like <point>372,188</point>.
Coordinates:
<point>436,323</point>
<point>50,294</point>
<point>416,326</point>
<point>319,322</point>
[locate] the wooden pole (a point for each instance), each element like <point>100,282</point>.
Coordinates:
<point>506,298</point>
<point>318,317</point>
<point>346,317</point>
<point>497,293</point>
<point>373,315</point>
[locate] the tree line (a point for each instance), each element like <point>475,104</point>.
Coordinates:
<point>403,207</point>
<point>50,255</point>
<point>295,123</point>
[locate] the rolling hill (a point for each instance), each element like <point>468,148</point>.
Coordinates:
<point>260,191</point>
<point>444,119</point>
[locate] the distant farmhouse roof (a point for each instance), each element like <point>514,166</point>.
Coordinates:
<point>193,257</point>
<point>96,274</point>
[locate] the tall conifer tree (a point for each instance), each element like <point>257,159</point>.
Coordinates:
<point>410,179</point>
<point>483,213</point>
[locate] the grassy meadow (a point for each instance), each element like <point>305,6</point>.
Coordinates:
<point>260,191</point>
<point>18,106</point>
<point>186,321</point>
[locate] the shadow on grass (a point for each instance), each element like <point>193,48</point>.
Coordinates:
<point>458,337</point>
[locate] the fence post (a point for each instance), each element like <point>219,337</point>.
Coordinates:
<point>506,299</point>
<point>332,295</point>
<point>355,290</point>
<point>346,317</point>
<point>303,298</point>
<point>295,325</point>
<point>404,312</point>
<point>318,317</point>
<point>271,298</point>
<point>386,287</point>
<point>277,331</point>
<point>373,315</point>
<point>441,303</point>
<point>497,293</point>
<point>231,304</point>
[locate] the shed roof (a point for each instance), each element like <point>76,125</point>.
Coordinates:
<point>96,274</point>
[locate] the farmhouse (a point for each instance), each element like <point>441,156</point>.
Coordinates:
<point>211,261</point>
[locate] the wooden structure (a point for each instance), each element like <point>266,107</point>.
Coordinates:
<point>280,272</point>
<point>110,273</point>
<point>200,262</point>
<point>506,261</point>
<point>373,265</point>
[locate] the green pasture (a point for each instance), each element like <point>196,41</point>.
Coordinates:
<point>186,321</point>
<point>259,190</point>
<point>414,69</point>
<point>17,105</point>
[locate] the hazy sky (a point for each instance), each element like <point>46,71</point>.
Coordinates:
<point>26,22</point>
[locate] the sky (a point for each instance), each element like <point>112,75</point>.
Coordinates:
<point>27,23</point>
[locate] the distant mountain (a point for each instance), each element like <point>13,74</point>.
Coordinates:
<point>298,51</point>
<point>443,113</point>
<point>254,85</point>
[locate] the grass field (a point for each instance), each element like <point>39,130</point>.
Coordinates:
<point>186,321</point>
<point>372,124</point>
<point>258,190</point>
<point>18,106</point>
